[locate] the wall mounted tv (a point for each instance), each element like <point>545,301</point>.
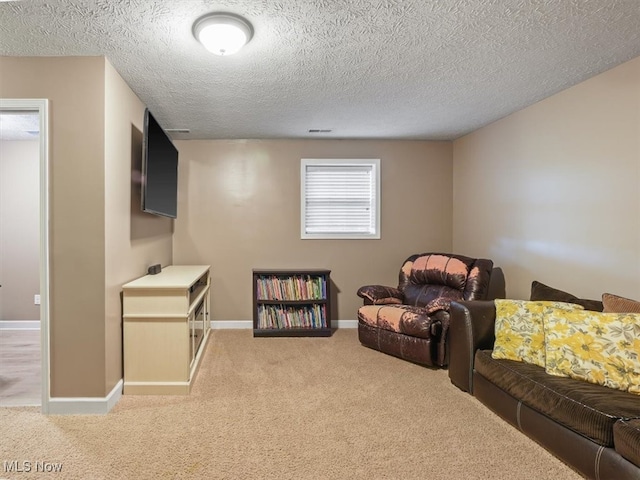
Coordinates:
<point>159,170</point>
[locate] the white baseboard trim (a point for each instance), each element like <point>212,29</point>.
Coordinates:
<point>86,405</point>
<point>231,324</point>
<point>248,324</point>
<point>344,324</point>
<point>19,324</point>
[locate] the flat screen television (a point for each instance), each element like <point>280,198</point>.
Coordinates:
<point>159,170</point>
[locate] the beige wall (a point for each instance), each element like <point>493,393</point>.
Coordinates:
<point>239,209</point>
<point>551,193</point>
<point>75,88</point>
<point>95,242</point>
<point>19,229</point>
<point>133,239</point>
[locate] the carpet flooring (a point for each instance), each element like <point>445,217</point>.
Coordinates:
<point>285,408</point>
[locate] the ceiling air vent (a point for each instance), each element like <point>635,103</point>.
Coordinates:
<point>320,130</point>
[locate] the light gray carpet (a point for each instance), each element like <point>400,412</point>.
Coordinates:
<point>288,408</point>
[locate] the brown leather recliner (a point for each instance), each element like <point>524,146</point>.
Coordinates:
<point>412,321</point>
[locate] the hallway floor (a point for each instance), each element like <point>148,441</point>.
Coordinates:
<point>20,368</point>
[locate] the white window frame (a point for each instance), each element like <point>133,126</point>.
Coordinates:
<point>374,163</point>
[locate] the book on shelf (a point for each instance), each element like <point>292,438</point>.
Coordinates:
<point>280,316</point>
<point>298,287</point>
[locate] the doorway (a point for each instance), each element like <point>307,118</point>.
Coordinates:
<point>24,255</point>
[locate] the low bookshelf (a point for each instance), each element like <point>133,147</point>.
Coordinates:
<point>291,303</point>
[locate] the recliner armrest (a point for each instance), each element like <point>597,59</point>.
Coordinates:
<point>471,328</point>
<point>380,295</point>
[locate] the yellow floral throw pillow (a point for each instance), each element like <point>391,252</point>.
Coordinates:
<point>602,348</point>
<point>519,329</point>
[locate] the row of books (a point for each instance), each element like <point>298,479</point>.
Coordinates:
<point>275,316</point>
<point>299,287</point>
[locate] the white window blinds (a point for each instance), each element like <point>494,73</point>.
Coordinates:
<point>340,198</point>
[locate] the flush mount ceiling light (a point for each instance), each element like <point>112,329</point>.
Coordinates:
<point>222,33</point>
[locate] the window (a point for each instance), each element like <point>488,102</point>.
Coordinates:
<point>340,198</point>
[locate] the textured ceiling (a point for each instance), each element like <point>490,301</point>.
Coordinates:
<point>409,69</point>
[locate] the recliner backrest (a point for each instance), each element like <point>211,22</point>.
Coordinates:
<point>427,276</point>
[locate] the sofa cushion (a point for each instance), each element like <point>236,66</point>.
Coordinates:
<point>586,408</point>
<point>540,291</point>
<point>519,329</point>
<point>626,437</point>
<point>595,347</point>
<point>616,304</point>
<point>405,319</point>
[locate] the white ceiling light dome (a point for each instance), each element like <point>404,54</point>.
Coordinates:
<point>222,33</point>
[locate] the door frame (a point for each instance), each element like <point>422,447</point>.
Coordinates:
<point>41,106</point>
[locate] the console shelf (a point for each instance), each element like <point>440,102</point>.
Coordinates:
<point>291,303</point>
<point>166,327</point>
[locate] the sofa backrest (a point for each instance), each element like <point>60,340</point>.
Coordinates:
<point>427,276</point>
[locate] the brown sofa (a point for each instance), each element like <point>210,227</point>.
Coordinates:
<point>592,428</point>
<point>411,321</point>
